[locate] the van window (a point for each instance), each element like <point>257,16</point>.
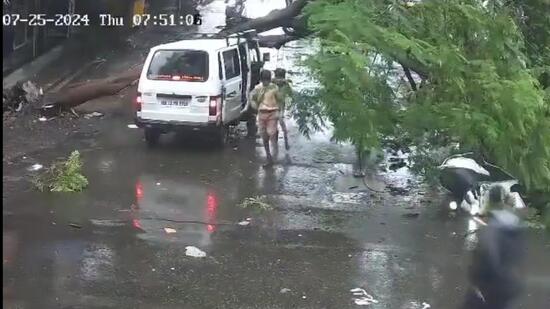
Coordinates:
<point>231,63</point>
<point>184,65</point>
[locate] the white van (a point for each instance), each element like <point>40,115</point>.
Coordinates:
<point>200,84</point>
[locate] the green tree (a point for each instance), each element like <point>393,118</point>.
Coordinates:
<point>475,75</point>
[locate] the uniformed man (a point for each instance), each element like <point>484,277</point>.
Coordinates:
<point>267,99</point>
<point>285,89</point>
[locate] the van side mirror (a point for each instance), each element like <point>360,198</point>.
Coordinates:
<point>266,57</point>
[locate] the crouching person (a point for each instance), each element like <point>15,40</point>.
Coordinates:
<point>495,273</point>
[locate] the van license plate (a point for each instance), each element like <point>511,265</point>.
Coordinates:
<point>174,103</point>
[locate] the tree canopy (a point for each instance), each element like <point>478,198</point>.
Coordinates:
<point>477,75</point>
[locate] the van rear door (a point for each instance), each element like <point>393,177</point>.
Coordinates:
<point>232,83</point>
<point>176,87</point>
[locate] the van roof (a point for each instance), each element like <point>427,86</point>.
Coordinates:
<point>200,44</point>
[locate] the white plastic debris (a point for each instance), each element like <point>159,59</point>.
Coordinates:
<point>35,167</point>
<point>426,306</point>
<point>169,230</point>
<point>366,298</point>
<point>194,252</point>
<point>92,115</point>
<point>43,118</point>
<point>365,301</point>
<point>132,126</point>
<point>285,290</point>
<point>244,223</point>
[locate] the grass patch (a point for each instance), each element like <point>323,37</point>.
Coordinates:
<point>256,203</point>
<point>63,176</point>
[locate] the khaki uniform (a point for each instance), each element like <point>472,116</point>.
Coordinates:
<point>286,92</point>
<point>267,100</point>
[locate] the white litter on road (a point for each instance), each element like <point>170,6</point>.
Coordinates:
<point>43,119</point>
<point>194,252</point>
<point>92,115</point>
<point>244,223</point>
<point>366,298</point>
<point>35,167</point>
<point>169,230</point>
<point>424,305</point>
<point>285,290</point>
<point>132,126</point>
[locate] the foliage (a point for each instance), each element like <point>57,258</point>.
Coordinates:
<point>256,203</point>
<point>63,176</point>
<point>307,111</point>
<point>478,65</point>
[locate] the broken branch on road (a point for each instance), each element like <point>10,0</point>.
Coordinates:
<point>74,95</point>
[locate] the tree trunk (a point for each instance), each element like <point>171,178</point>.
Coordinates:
<point>276,18</point>
<point>78,93</point>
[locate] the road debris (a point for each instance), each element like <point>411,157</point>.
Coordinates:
<point>93,115</point>
<point>76,226</point>
<point>285,290</point>
<point>244,223</point>
<point>194,252</point>
<point>365,299</point>
<point>132,126</point>
<point>169,230</point>
<point>35,167</point>
<point>417,305</point>
<point>42,119</point>
<point>257,203</point>
<point>21,97</point>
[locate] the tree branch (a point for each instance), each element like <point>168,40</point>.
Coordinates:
<point>276,18</point>
<point>409,77</point>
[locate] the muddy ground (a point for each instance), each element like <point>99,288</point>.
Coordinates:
<point>324,234</point>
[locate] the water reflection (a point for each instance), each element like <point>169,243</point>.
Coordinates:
<point>182,204</point>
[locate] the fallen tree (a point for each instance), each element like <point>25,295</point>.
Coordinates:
<point>72,95</point>
<point>78,93</point>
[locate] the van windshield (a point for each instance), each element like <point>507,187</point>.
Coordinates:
<point>184,65</point>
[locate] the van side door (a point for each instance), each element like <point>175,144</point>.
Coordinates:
<point>232,84</point>
<point>245,72</point>
<point>256,63</point>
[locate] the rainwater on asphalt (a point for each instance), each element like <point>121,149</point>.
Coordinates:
<point>107,247</point>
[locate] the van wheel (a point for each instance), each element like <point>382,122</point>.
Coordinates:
<point>152,136</point>
<point>222,136</point>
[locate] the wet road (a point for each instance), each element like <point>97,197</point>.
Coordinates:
<point>325,235</point>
